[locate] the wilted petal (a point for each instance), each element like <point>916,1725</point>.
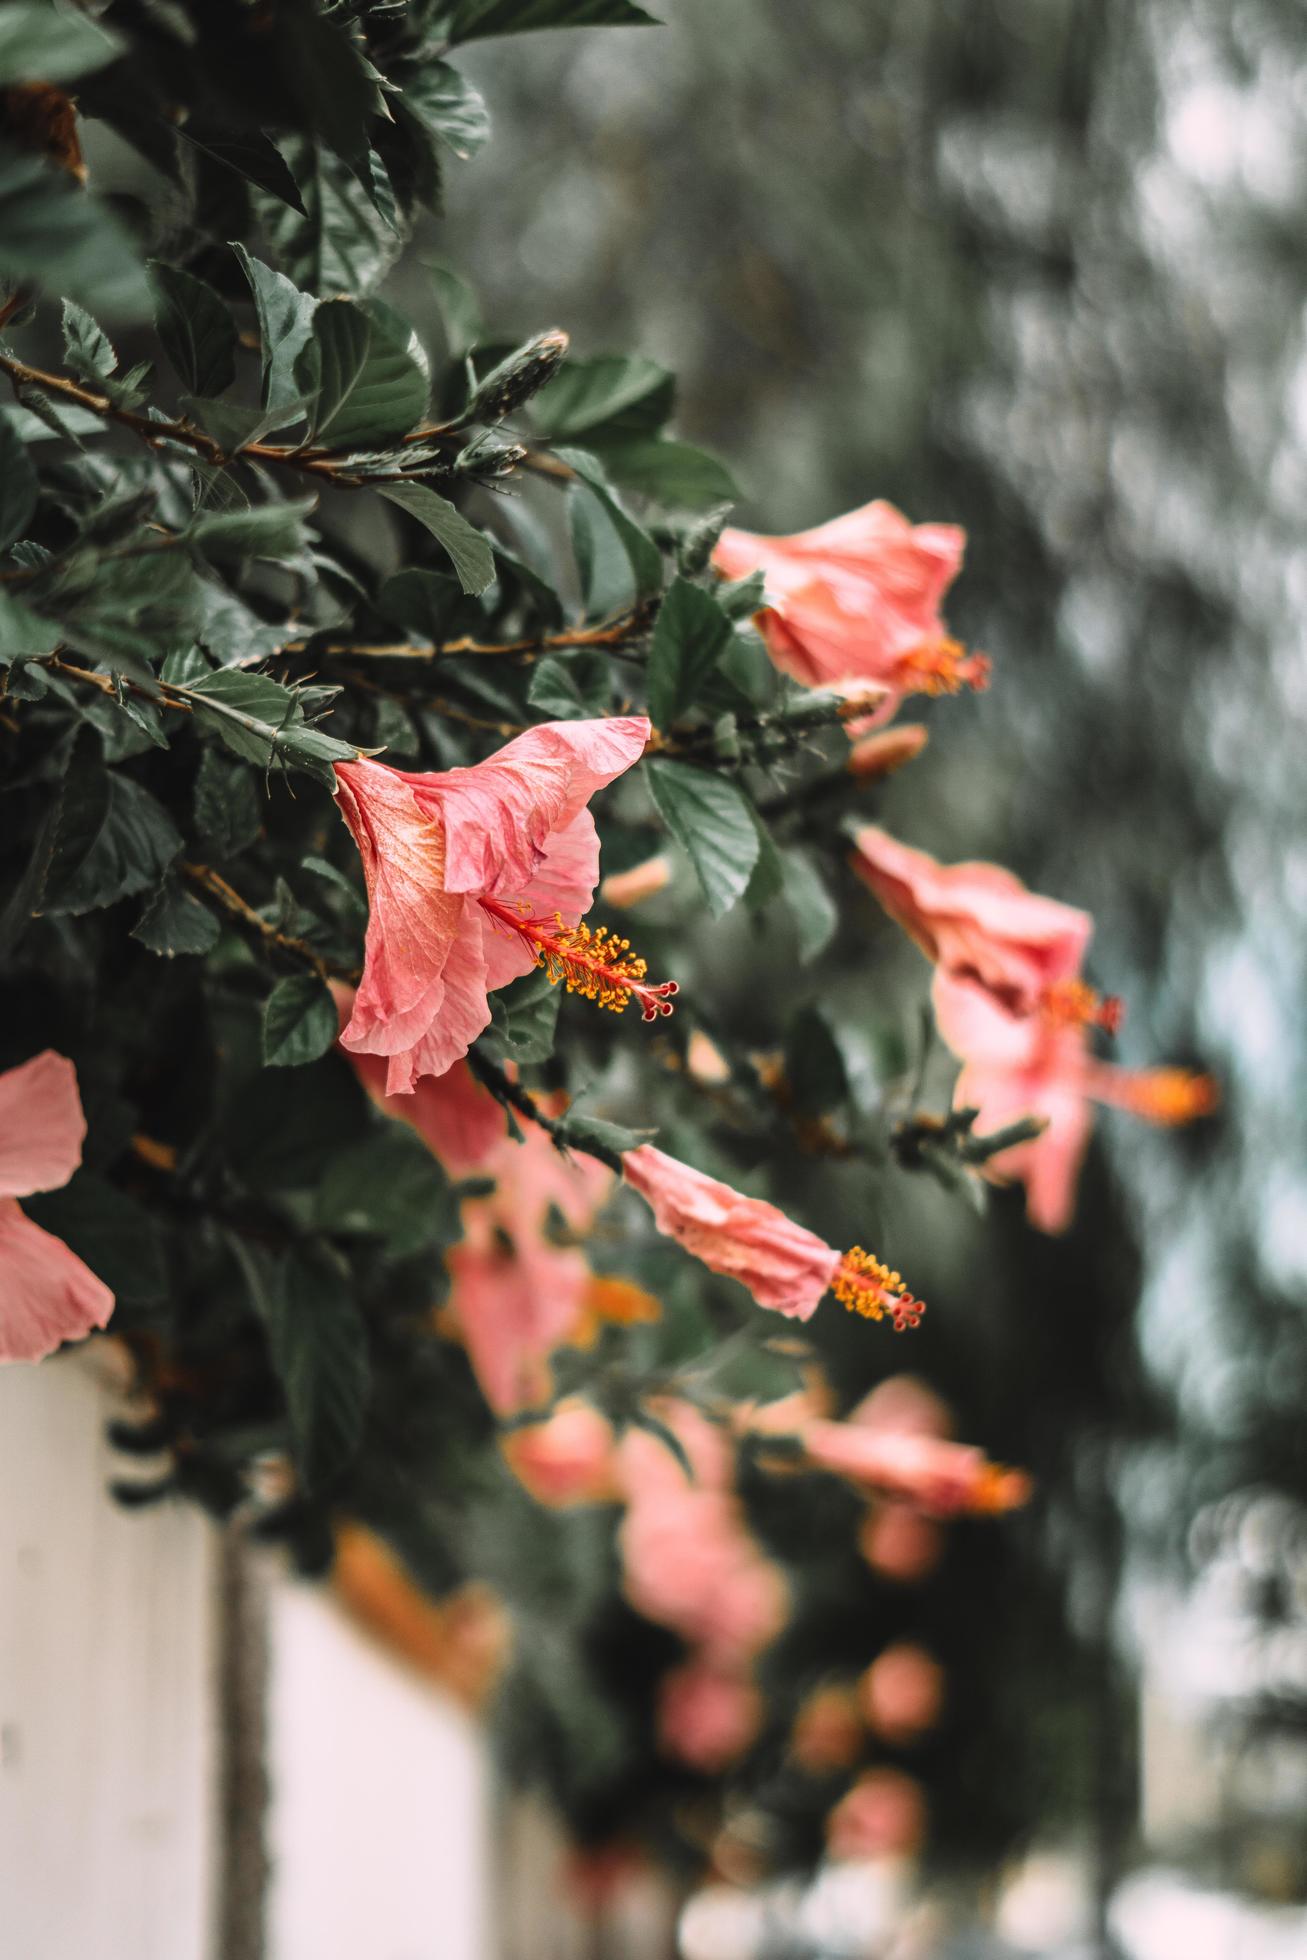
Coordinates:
<point>41,1125</point>
<point>47,1295</point>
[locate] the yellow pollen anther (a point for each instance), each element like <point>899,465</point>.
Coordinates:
<point>944,666</point>
<point>867,1286</point>
<point>588,960</point>
<point>1075,1004</point>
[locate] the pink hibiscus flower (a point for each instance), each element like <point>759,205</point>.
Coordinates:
<point>459,1121</point>
<point>941,1477</point>
<point>47,1295</point>
<point>516,1294</point>
<point>1041,1064</point>
<point>708,1714</point>
<point>854,605</point>
<point>567,1459</point>
<point>980,922</point>
<point>783,1265</point>
<point>474,877</point>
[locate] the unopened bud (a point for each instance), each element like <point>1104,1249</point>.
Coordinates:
<point>887,750</point>
<point>489,455</point>
<point>625,888</point>
<point>522,374</point>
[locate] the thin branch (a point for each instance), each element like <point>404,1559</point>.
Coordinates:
<point>611,633</point>
<point>513,1096</point>
<point>231,901</point>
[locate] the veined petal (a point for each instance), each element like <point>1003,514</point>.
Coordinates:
<point>41,1125</point>
<point>463,1009</point>
<point>563,884</point>
<point>47,1294</point>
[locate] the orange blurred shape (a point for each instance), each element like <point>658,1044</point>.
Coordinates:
<point>462,1642</point>
<point>903,1693</point>
<point>625,888</point>
<point>828,1730</point>
<point>887,750</point>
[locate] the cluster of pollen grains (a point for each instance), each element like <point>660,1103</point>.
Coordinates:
<point>1074,1004</point>
<point>588,960</point>
<point>945,667</point>
<point>867,1286</point>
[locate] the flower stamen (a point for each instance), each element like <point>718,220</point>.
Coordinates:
<point>592,961</point>
<point>944,666</point>
<point>1075,1004</point>
<point>867,1286</point>
<point>1164,1095</point>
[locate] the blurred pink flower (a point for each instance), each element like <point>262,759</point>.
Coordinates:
<point>567,1459</point>
<point>943,1478</point>
<point>899,1543</point>
<point>1040,1065</point>
<point>708,1714</point>
<point>458,864</point>
<point>459,1121</point>
<point>47,1295</point>
<point>878,755</point>
<point>903,1692</point>
<point>854,605</point>
<point>642,881</point>
<point>976,920</point>
<point>783,1265</point>
<point>883,1816</point>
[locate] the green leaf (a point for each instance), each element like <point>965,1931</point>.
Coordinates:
<point>134,846</point>
<point>447,105</point>
<point>643,553</point>
<point>581,1132</point>
<point>713,823</point>
<point>22,632</point>
<point>249,153</point>
<point>228,817</point>
<point>82,815</point>
<point>57,236</point>
<point>460,310</point>
<point>114,1234</point>
<point>340,246</point>
<point>261,721</point>
<point>18,493</point>
<point>525,1020</point>
<point>674,474</point>
<point>300,1022</point>
<point>196,328</point>
<point>768,875</point>
<point>809,902</point>
<point>583,395</point>
<point>88,350</point>
<point>389,1187</point>
<point>272,530</point>
<point>572,687</point>
<point>689,639</point>
<point>39,43</point>
<point>285,317</point>
<point>174,921</point>
<point>474,20</point>
<point>469,552</point>
<point>319,1348</point>
<point>814,1063</point>
<point>369,388</point>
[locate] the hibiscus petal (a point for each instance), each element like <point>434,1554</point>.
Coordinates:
<point>41,1125</point>
<point>464,1011</point>
<point>47,1295</point>
<point>514,1308</point>
<point>500,814</point>
<point>564,883</point>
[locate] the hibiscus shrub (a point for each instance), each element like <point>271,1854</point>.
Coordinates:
<point>398,1229</point>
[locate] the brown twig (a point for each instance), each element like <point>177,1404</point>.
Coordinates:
<point>608,633</point>
<point>231,901</point>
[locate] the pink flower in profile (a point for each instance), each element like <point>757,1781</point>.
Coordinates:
<point>943,1478</point>
<point>977,921</point>
<point>1042,1065</point>
<point>47,1295</point>
<point>459,1121</point>
<point>783,1265</point>
<point>567,1459</point>
<point>517,1295</point>
<point>474,877</point>
<point>854,605</point>
<point>882,1816</point>
<point>708,1714</point>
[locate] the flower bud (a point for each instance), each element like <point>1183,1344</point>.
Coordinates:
<point>887,750</point>
<point>522,374</point>
<point>489,455</point>
<point>624,888</point>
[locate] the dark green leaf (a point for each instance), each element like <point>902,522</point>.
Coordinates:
<point>689,639</point>
<point>583,395</point>
<point>114,1234</point>
<point>285,316</point>
<point>525,1020</point>
<point>269,530</point>
<point>174,921</point>
<point>88,350</point>
<point>39,43</point>
<point>83,813</point>
<point>810,903</point>
<point>197,330</point>
<point>581,1132</point>
<point>250,153</point>
<point>57,236</point>
<point>228,816</point>
<point>473,20</point>
<point>23,632</point>
<point>768,876</point>
<point>460,311</point>
<point>389,1187</point>
<point>136,843</point>
<point>814,1064</point>
<point>447,105</point>
<point>469,552</point>
<point>674,474</point>
<point>18,492</point>
<point>300,1022</point>
<point>340,246</point>
<point>369,388</point>
<point>572,687</point>
<point>318,1343</point>
<point>713,823</point>
<point>645,557</point>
